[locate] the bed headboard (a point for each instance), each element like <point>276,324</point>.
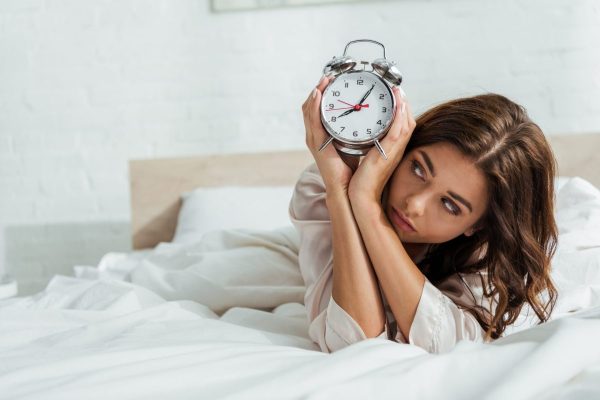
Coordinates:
<point>156,184</point>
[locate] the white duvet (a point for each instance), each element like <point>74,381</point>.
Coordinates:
<point>223,318</point>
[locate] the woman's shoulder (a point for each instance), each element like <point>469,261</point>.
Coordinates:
<point>311,174</point>
<point>308,199</point>
<point>467,288</point>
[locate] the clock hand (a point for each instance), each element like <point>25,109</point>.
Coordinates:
<point>345,108</point>
<point>347,112</point>
<point>348,104</point>
<point>366,95</point>
<point>359,105</point>
<point>337,109</point>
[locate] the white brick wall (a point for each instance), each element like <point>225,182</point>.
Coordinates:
<point>87,85</point>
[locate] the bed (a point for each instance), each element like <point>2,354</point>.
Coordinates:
<point>215,311</point>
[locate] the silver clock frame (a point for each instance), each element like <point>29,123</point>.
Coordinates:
<point>384,70</point>
<point>358,147</point>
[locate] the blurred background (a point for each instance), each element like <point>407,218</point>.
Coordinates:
<point>86,86</point>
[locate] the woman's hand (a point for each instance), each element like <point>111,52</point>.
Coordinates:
<point>336,168</point>
<point>370,178</point>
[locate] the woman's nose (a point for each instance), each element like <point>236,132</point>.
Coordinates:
<point>415,205</point>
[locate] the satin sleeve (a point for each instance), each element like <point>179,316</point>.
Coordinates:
<point>330,326</point>
<point>441,320</point>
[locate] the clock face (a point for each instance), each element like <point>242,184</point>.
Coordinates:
<point>357,106</point>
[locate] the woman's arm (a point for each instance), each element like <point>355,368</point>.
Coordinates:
<point>401,280</point>
<point>329,324</point>
<point>355,286</point>
<point>359,313</point>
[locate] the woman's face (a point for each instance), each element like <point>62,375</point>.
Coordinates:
<point>439,191</point>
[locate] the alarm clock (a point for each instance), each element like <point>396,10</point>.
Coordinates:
<point>358,105</point>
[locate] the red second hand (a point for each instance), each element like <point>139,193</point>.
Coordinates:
<point>346,108</point>
<point>357,107</point>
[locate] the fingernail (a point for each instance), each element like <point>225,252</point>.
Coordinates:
<point>403,108</point>
<point>402,93</point>
<point>314,93</point>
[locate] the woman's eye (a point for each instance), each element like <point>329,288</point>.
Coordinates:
<point>416,166</point>
<point>452,209</point>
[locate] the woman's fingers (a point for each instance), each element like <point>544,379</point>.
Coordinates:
<point>321,85</point>
<point>403,121</point>
<point>316,97</point>
<point>315,132</point>
<point>315,113</point>
<point>323,82</point>
<point>389,142</point>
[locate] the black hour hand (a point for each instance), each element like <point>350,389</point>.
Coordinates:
<point>346,112</point>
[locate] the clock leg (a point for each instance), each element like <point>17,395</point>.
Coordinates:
<point>380,149</point>
<point>325,143</point>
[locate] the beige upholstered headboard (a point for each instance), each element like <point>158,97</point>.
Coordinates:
<point>156,184</point>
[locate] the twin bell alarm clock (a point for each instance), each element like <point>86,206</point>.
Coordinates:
<point>358,106</point>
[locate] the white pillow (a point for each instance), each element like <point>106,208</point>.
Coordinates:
<point>231,207</point>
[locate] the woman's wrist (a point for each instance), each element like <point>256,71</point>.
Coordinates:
<point>335,194</point>
<point>364,206</point>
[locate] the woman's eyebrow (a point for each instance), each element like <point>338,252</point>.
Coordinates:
<point>432,171</point>
<point>428,162</point>
<point>462,200</point>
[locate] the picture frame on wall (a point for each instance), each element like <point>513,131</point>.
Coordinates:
<point>240,5</point>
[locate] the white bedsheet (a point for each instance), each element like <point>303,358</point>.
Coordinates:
<point>222,318</point>
<point>110,339</point>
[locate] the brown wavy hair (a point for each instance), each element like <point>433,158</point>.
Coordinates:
<point>518,234</point>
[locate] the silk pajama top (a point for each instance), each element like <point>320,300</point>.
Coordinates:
<point>439,322</point>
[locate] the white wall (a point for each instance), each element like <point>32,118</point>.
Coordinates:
<point>87,85</point>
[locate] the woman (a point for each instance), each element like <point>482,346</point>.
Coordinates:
<point>444,241</point>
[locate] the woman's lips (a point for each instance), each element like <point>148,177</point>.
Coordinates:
<point>402,223</point>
